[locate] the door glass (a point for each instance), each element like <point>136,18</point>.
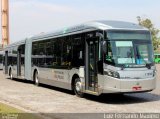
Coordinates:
<point>93,58</point>
<point>91,63</point>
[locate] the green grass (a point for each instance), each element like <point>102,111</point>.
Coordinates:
<point>8,111</point>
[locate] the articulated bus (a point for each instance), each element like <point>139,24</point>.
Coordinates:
<point>95,58</point>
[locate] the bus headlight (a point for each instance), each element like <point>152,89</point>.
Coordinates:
<point>112,74</point>
<point>116,75</point>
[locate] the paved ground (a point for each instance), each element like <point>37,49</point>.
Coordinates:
<point>47,99</point>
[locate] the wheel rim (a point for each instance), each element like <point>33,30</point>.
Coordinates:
<point>78,87</point>
<point>36,79</point>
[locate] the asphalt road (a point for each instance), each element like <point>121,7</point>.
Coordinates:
<point>49,101</point>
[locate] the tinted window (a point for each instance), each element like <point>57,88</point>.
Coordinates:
<point>78,43</point>
<point>22,52</point>
<point>61,52</point>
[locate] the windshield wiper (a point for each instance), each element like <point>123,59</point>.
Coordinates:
<point>122,67</point>
<point>148,65</point>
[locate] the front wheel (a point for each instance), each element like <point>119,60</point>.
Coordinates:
<point>78,88</point>
<point>36,79</point>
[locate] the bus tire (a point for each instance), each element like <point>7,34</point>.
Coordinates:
<point>10,74</point>
<point>77,87</point>
<point>36,79</point>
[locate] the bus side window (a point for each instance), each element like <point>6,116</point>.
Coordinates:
<point>66,53</point>
<point>78,50</point>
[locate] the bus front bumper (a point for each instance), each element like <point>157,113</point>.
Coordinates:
<point>113,85</point>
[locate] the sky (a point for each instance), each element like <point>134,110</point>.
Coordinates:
<point>32,17</point>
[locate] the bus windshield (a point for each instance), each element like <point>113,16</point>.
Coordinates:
<point>128,49</point>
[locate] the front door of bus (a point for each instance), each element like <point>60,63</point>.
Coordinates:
<point>92,51</point>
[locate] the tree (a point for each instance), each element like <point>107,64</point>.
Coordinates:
<point>148,24</point>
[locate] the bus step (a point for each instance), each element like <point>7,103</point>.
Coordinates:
<point>20,77</point>
<point>91,92</point>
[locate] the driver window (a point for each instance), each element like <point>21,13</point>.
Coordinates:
<point>109,54</point>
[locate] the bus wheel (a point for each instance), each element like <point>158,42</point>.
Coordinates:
<point>36,79</point>
<point>78,87</point>
<point>10,74</point>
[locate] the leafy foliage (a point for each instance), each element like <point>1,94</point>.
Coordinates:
<point>148,24</point>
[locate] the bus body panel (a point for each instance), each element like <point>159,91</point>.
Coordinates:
<point>55,77</point>
<point>14,71</point>
<point>28,54</point>
<point>137,73</point>
<point>113,85</point>
<point>132,80</point>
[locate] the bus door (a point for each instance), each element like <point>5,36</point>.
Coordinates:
<point>92,51</point>
<point>6,63</point>
<point>19,63</point>
<point>20,60</point>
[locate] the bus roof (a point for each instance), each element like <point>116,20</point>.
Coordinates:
<point>90,26</point>
<point>16,44</point>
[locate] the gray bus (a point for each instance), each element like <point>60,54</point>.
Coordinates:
<point>95,58</point>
